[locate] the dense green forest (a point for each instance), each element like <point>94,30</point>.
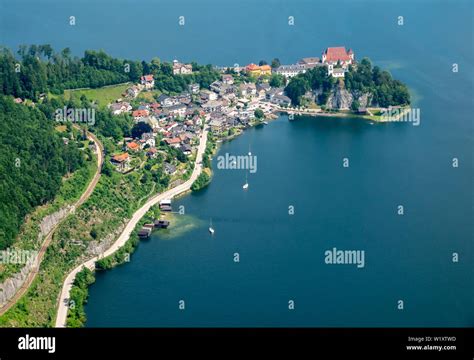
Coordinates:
<point>33,161</point>
<point>37,70</point>
<point>363,79</point>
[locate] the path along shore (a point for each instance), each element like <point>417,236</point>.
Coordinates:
<point>44,246</point>
<point>61,318</point>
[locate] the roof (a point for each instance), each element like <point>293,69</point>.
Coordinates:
<point>252,67</point>
<point>173,141</point>
<point>295,67</point>
<point>337,54</point>
<point>265,68</point>
<point>282,97</point>
<point>163,97</point>
<point>138,113</point>
<point>133,145</point>
<point>309,60</point>
<point>147,78</point>
<point>120,157</point>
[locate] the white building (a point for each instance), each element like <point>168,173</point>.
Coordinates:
<point>147,81</point>
<point>181,69</point>
<point>336,72</point>
<point>290,71</point>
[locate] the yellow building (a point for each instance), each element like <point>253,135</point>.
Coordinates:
<point>265,70</point>
<point>255,70</point>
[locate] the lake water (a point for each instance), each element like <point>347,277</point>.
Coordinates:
<point>407,257</point>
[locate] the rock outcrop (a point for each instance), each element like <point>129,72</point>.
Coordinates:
<point>341,98</point>
<point>10,286</point>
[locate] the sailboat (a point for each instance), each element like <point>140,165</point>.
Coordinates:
<point>211,229</point>
<point>246,185</point>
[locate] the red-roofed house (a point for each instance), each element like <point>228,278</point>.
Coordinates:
<point>147,81</point>
<point>121,161</point>
<point>173,142</point>
<point>133,146</point>
<point>138,114</point>
<point>335,56</point>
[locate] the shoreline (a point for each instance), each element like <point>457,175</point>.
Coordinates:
<point>178,192</point>
<point>49,236</point>
<point>338,114</point>
<point>68,283</point>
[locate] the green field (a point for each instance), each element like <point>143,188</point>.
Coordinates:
<point>103,96</point>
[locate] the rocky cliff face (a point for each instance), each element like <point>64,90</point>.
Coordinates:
<point>341,99</point>
<point>11,285</point>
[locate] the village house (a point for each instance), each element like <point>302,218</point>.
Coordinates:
<point>121,161</point>
<point>147,81</point>
<point>184,98</point>
<point>133,91</point>
<point>274,91</point>
<point>169,168</point>
<point>193,88</point>
<point>185,149</point>
<point>336,72</point>
<point>255,70</point>
<point>181,69</point>
<point>207,95</point>
<point>211,106</point>
<point>120,107</point>
<point>309,61</point>
<point>174,142</point>
<point>281,100</point>
<point>248,89</point>
<point>177,110</point>
<point>139,114</point>
<point>152,153</point>
<point>290,71</point>
<point>147,139</point>
<point>217,126</point>
<point>263,86</point>
<point>227,79</point>
<point>133,146</point>
<point>166,100</point>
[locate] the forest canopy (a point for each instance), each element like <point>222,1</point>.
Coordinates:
<point>33,160</point>
<point>362,78</point>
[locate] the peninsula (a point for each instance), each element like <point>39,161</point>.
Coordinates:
<point>150,128</point>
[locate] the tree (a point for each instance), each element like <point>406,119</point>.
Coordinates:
<point>259,114</point>
<point>296,88</point>
<point>355,105</point>
<point>275,63</point>
<point>262,62</point>
<point>140,128</point>
<point>277,80</point>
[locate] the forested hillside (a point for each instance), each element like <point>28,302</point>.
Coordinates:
<point>38,69</point>
<point>33,159</point>
<point>364,78</point>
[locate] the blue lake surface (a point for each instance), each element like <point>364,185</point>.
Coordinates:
<point>407,257</point>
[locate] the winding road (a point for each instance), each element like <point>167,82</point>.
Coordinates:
<point>61,317</point>
<point>44,246</point>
